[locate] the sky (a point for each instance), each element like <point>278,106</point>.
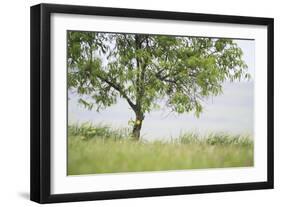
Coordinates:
<point>231,112</point>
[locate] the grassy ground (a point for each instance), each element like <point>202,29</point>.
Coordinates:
<point>99,149</point>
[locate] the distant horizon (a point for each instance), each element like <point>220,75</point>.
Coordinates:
<point>232,112</point>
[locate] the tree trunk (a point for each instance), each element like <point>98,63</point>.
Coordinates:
<point>137,126</point>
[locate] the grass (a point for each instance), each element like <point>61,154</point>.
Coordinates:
<point>101,149</point>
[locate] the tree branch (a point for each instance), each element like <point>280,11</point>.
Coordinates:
<point>119,89</point>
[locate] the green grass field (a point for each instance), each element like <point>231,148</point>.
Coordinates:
<point>100,149</point>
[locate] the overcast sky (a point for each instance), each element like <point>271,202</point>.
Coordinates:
<point>230,112</point>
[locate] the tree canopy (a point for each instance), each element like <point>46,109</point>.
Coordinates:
<point>144,68</point>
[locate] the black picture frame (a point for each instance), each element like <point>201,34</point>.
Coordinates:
<point>41,99</point>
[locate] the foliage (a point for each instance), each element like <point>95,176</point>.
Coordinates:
<point>144,69</point>
<point>215,139</point>
<point>89,131</point>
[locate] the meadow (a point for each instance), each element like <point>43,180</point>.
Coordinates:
<point>100,149</point>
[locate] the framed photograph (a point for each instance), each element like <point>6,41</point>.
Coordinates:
<point>133,103</point>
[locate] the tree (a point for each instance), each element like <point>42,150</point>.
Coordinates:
<point>143,69</point>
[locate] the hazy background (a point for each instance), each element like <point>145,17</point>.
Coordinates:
<point>232,111</point>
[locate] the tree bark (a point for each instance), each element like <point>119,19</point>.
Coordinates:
<point>139,82</point>
<point>137,126</point>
